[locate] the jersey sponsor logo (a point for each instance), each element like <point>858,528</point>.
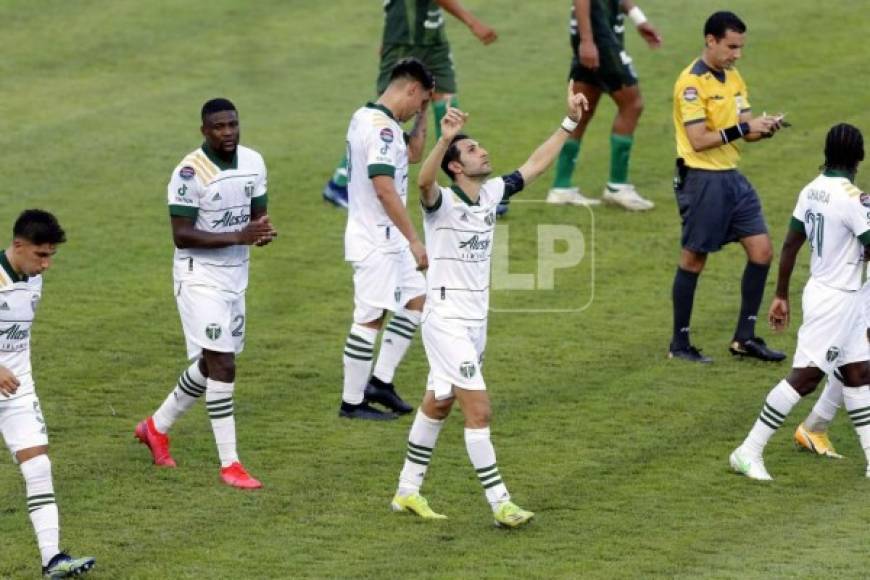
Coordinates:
<point>690,94</point>
<point>475,243</point>
<point>467,369</point>
<point>186,173</point>
<point>387,135</point>
<point>229,220</point>
<point>865,199</point>
<point>213,331</point>
<point>182,191</point>
<point>15,332</point>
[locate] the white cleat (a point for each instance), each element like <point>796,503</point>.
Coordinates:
<point>625,195</point>
<point>569,196</point>
<point>751,467</point>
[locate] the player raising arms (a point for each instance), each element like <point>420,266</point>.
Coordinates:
<point>455,316</point>
<point>35,237</point>
<point>217,205</point>
<point>830,215</point>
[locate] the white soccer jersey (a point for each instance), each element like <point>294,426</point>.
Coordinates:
<point>19,297</point>
<point>835,216</point>
<point>219,198</point>
<point>459,238</point>
<point>376,145</point>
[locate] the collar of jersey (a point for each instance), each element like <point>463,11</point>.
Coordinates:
<point>463,196</point>
<point>702,67</point>
<point>10,271</point>
<point>838,173</point>
<point>382,109</point>
<point>222,165</point>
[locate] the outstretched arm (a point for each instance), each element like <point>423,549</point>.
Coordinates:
<point>778,315</point>
<point>451,124</point>
<point>484,33</point>
<point>544,155</point>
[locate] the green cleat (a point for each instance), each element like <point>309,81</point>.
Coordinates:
<point>65,566</point>
<point>510,515</point>
<point>416,504</point>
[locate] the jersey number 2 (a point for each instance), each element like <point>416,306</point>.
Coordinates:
<point>817,231</point>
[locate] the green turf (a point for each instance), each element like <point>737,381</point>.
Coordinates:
<point>622,454</point>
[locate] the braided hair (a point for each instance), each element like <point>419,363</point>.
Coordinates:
<point>844,148</point>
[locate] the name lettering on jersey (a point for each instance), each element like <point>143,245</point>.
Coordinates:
<point>819,195</point>
<point>229,220</point>
<point>15,332</point>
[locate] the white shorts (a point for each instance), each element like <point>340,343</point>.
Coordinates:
<point>22,424</point>
<point>833,332</point>
<point>864,297</point>
<point>384,282</point>
<point>455,353</point>
<point>212,319</point>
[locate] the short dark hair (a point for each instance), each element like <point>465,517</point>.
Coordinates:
<point>413,69</point>
<point>216,106</point>
<point>38,227</point>
<point>452,154</point>
<point>721,22</point>
<point>844,148</point>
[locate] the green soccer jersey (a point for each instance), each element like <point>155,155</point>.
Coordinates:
<point>414,22</point>
<point>608,24</point>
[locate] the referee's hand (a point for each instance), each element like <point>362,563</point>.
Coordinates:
<point>778,315</point>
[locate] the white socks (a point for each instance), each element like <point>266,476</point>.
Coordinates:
<point>358,353</point>
<point>41,505</point>
<point>395,342</point>
<point>779,403</point>
<point>482,455</point>
<point>421,442</point>
<point>189,388</point>
<point>219,402</point>
<point>857,400</point>
<point>826,407</point>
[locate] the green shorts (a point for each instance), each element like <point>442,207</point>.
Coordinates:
<point>614,70</point>
<point>436,57</point>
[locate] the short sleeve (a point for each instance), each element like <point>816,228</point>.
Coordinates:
<point>858,216</point>
<point>513,184</point>
<point>184,192</point>
<point>743,105</point>
<point>690,100</point>
<point>259,200</point>
<point>381,149</point>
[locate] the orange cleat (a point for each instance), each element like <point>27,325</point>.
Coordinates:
<point>157,442</point>
<point>236,476</point>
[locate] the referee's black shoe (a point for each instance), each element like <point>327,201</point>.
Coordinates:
<point>689,353</point>
<point>364,411</point>
<point>377,391</point>
<point>755,347</point>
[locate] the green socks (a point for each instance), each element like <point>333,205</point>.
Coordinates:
<point>566,163</point>
<point>439,108</point>
<point>620,152</point>
<point>340,175</point>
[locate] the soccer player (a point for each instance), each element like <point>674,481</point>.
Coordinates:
<point>380,242</point>
<point>600,64</point>
<point>459,222</point>
<point>217,207</point>
<point>831,214</point>
<point>717,204</point>
<point>35,238</point>
<point>415,28</point>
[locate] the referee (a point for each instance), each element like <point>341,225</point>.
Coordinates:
<point>717,204</point>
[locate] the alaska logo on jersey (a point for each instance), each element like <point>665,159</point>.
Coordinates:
<point>15,332</point>
<point>229,220</point>
<point>475,243</point>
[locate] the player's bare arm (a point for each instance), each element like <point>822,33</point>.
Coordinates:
<point>778,315</point>
<point>417,136</point>
<point>8,382</point>
<point>451,124</point>
<point>484,33</point>
<point>385,188</point>
<point>750,129</point>
<point>646,30</point>
<point>185,235</point>
<point>587,52</point>
<point>547,152</point>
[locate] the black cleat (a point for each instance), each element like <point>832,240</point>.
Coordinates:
<point>364,411</point>
<point>377,391</point>
<point>755,347</point>
<point>689,353</point>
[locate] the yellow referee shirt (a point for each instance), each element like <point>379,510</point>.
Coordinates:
<point>715,98</point>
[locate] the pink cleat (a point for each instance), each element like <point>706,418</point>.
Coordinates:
<point>236,476</point>
<point>157,442</point>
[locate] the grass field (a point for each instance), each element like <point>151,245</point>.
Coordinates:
<point>622,453</point>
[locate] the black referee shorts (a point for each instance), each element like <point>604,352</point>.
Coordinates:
<point>717,207</point>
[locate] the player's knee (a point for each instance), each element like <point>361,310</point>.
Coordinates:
<point>438,409</point>
<point>221,367</point>
<point>478,416</point>
<point>416,303</point>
